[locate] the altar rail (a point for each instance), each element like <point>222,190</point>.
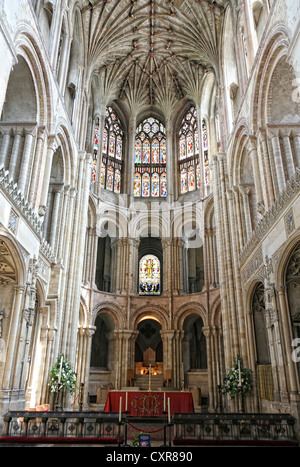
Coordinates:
<point>103,428</point>
<point>243,429</point>
<point>187,429</point>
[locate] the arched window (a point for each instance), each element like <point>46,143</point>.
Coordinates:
<point>189,158</point>
<point>150,178</point>
<point>149,275</point>
<point>112,152</point>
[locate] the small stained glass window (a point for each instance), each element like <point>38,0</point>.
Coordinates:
<point>149,276</point>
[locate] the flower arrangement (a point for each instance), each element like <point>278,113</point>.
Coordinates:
<point>62,376</point>
<point>237,379</point>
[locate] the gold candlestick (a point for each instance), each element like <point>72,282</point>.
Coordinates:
<point>150,371</point>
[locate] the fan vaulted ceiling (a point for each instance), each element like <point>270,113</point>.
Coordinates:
<point>152,51</point>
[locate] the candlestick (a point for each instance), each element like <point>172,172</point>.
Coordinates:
<point>240,376</point>
<point>120,410</point>
<point>164,401</point>
<point>60,370</point>
<point>169,411</point>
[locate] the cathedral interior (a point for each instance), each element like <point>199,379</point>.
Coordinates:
<point>150,198</point>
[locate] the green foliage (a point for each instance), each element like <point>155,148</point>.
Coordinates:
<point>67,379</point>
<point>231,380</point>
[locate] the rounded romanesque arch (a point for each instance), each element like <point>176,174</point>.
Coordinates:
<point>113,312</point>
<point>155,312</point>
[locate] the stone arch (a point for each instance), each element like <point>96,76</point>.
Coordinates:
<point>276,47</point>
<point>152,312</point>
<point>17,258</point>
<point>30,50</point>
<point>188,309</point>
<point>113,312</point>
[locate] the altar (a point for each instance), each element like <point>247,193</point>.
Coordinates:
<point>149,403</point>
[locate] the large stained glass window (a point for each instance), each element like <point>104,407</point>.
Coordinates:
<point>149,276</point>
<point>150,179</point>
<point>112,153</point>
<point>189,154</point>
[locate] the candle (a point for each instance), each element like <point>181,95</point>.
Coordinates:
<point>120,410</point>
<point>126,404</point>
<point>240,376</point>
<point>164,401</point>
<point>169,411</point>
<point>60,370</point>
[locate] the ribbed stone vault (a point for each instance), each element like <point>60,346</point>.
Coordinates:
<point>149,52</point>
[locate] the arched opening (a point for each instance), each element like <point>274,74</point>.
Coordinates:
<point>292,279</point>
<point>102,357</point>
<point>194,357</point>
<point>149,348</point>
<point>265,384</point>
<point>18,125</point>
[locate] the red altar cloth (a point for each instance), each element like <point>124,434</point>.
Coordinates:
<point>148,403</point>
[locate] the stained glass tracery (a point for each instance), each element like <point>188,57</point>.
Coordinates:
<point>189,153</point>
<point>150,159</point>
<point>112,152</point>
<point>149,276</point>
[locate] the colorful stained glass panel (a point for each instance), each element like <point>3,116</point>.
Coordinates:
<point>137,185</point>
<point>146,152</point>
<point>155,152</point>
<point>163,185</point>
<point>110,179</point>
<point>184,184</point>
<point>149,275</point>
<point>146,185</point>
<point>117,187</point>
<point>192,185</point>
<point>155,185</point>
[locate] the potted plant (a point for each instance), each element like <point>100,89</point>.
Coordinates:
<point>238,380</point>
<point>62,378</point>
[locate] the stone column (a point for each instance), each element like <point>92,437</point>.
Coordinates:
<point>52,146</point>
<point>54,218</point>
<point>245,190</point>
<point>5,146</point>
<point>12,337</point>
<point>288,153</point>
<point>207,333</point>
<point>201,155</point>
<point>256,172</point>
<point>238,216</point>
<point>291,366</point>
<point>274,135</point>
<point>15,153</point>
<point>23,174</point>
<point>89,332</point>
<point>296,142</point>
<point>170,154</point>
<point>131,155</point>
<point>267,167</point>
<point>37,162</point>
<point>168,358</point>
<point>100,149</point>
<point>167,266</point>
